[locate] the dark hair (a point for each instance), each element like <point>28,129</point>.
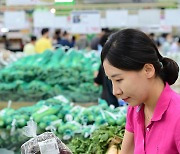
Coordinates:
<point>4,37</point>
<point>73,38</point>
<point>151,35</point>
<point>164,35</point>
<point>158,43</point>
<point>106,30</point>
<point>131,49</point>
<point>33,38</point>
<point>65,33</point>
<point>44,31</point>
<point>104,38</point>
<point>58,32</point>
<point>178,39</point>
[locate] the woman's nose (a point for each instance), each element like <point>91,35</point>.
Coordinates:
<point>117,91</point>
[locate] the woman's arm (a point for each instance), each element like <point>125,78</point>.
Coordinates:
<point>128,143</point>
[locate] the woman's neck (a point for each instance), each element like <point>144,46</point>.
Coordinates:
<point>156,89</point>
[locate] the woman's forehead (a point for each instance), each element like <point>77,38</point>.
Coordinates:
<point>107,65</point>
<point>111,70</point>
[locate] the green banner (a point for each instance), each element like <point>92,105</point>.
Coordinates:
<point>64,2</point>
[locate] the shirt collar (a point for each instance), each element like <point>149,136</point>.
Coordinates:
<point>140,112</point>
<point>161,107</point>
<point>162,103</point>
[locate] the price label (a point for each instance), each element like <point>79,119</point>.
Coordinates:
<point>49,146</point>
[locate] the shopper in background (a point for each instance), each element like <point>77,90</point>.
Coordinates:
<point>159,46</point>
<point>44,42</point>
<point>57,37</point>
<point>141,77</point>
<point>96,40</point>
<point>6,42</point>
<point>82,43</point>
<point>175,47</point>
<point>152,36</point>
<point>178,43</point>
<point>102,79</point>
<point>162,38</point>
<point>29,48</point>
<point>65,40</point>
<point>73,41</point>
<point>166,46</point>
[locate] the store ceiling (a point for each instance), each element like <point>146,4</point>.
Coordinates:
<point>118,1</point>
<point>100,5</point>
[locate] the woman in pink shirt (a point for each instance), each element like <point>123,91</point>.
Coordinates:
<point>141,77</point>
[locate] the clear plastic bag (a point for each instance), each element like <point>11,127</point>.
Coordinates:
<point>46,143</point>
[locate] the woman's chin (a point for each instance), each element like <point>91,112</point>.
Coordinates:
<point>133,104</point>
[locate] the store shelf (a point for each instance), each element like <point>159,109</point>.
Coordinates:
<point>17,105</point>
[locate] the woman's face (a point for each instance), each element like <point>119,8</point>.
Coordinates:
<point>131,86</point>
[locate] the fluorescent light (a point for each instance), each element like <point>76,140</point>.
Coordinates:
<point>4,30</point>
<point>53,10</point>
<point>63,1</point>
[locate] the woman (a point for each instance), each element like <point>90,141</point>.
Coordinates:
<point>141,77</point>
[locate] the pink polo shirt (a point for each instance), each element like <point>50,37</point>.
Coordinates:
<point>162,135</point>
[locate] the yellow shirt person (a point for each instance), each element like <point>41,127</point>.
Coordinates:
<point>29,49</point>
<point>44,42</point>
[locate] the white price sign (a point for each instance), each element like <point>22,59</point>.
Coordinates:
<point>150,17</point>
<point>133,21</point>
<point>43,19</point>
<point>61,22</point>
<point>27,2</point>
<point>116,18</point>
<point>171,17</point>
<point>15,20</point>
<point>85,22</point>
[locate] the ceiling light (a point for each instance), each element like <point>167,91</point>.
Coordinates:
<point>63,1</point>
<point>53,10</point>
<point>4,30</point>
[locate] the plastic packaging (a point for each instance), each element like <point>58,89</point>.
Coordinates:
<point>46,143</point>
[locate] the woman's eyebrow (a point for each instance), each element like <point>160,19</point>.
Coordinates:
<point>114,75</point>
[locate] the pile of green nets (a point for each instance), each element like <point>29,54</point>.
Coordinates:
<point>45,75</point>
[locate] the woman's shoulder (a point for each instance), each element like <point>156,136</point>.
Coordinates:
<point>175,99</point>
<point>174,105</point>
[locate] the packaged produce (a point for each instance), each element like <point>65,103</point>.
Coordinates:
<point>62,117</point>
<point>46,143</point>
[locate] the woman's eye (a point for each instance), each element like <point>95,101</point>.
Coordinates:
<point>119,80</point>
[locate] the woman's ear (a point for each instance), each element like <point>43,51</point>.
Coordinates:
<point>149,70</point>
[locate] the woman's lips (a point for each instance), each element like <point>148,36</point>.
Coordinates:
<point>125,99</point>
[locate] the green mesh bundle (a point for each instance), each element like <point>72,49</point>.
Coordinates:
<point>49,74</point>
